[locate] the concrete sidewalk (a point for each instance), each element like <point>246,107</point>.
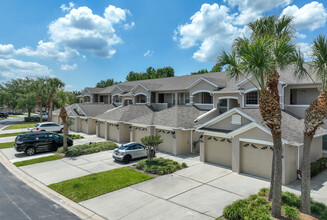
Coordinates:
<point>15,130</point>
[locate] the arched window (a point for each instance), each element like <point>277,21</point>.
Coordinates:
<point>140,99</point>
<point>252,98</point>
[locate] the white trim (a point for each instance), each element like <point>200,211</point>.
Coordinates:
<point>250,90</point>
<point>320,135</point>
<point>113,95</point>
<point>81,110</point>
<point>140,93</point>
<point>198,80</point>
<point>139,84</point>
<point>199,91</point>
<point>255,141</point>
<point>212,133</point>
<point>228,97</point>
<point>116,86</point>
<point>247,79</point>
<point>222,92</point>
<point>299,106</point>
<point>204,104</point>
<point>205,114</point>
<point>225,115</point>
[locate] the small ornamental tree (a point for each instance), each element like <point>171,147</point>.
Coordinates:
<point>151,143</point>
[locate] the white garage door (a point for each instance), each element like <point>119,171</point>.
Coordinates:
<point>84,126</point>
<point>139,133</point>
<point>72,127</point>
<point>218,151</point>
<point>101,129</point>
<point>256,159</point>
<point>113,132</point>
<point>168,141</point>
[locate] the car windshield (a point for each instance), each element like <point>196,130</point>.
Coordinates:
<point>37,125</point>
<point>19,137</point>
<point>122,147</point>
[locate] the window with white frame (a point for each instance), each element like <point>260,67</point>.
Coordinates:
<point>116,99</point>
<point>252,98</point>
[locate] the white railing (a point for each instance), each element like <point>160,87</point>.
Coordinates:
<point>205,106</point>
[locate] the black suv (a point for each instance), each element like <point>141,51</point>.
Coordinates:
<point>3,115</point>
<point>34,142</point>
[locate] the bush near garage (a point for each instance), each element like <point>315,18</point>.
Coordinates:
<point>74,136</point>
<point>88,148</point>
<point>32,119</point>
<point>258,207</point>
<point>159,166</point>
<point>318,166</point>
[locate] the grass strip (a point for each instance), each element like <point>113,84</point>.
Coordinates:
<point>20,125</point>
<point>7,145</point>
<point>37,160</point>
<point>97,184</point>
<point>11,134</point>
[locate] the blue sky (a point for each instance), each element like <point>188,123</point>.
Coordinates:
<point>83,42</point>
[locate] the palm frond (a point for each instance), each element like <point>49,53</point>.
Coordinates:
<point>319,54</point>
<point>231,62</point>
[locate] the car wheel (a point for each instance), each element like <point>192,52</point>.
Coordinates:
<point>127,159</point>
<point>30,151</point>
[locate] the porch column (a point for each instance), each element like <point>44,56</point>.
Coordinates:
<point>176,98</point>
<point>97,125</point>
<point>106,130</point>
<point>133,100</point>
<point>236,155</point>
<point>175,143</point>
<point>131,134</point>
<point>191,100</point>
<point>157,97</point>
<point>148,100</point>
<point>202,149</point>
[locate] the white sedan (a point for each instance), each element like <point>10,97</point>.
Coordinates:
<point>48,126</point>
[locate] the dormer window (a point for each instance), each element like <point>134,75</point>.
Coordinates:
<point>252,98</point>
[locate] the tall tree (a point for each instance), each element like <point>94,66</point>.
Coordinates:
<point>202,71</point>
<point>63,99</point>
<point>27,102</point>
<point>52,85</point>
<point>316,113</point>
<point>106,83</point>
<point>216,68</point>
<point>151,73</point>
<point>260,56</point>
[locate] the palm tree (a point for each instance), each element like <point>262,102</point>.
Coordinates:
<point>151,142</point>
<point>316,113</point>
<point>62,100</point>
<point>52,84</point>
<point>260,56</point>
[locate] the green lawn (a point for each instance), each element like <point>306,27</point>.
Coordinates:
<point>11,134</point>
<point>37,160</point>
<point>7,145</point>
<point>93,185</point>
<point>20,125</point>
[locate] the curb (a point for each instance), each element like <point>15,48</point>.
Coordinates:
<point>64,202</point>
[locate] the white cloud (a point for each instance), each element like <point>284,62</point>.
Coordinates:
<point>48,50</point>
<point>212,28</point>
<point>311,16</point>
<point>129,26</point>
<point>253,9</point>
<point>12,68</point>
<point>83,30</point>
<point>67,67</point>
<point>149,53</point>
<point>305,49</point>
<point>68,7</point>
<point>299,35</point>
<point>6,50</point>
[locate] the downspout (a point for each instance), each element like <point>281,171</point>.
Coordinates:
<point>191,141</point>
<point>298,163</point>
<point>283,96</point>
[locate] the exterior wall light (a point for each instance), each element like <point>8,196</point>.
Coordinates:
<point>174,134</point>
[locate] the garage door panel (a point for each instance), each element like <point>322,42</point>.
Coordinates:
<point>218,151</point>
<point>84,126</point>
<point>72,127</point>
<point>139,133</point>
<point>113,132</point>
<point>256,159</point>
<point>101,129</point>
<point>168,141</point>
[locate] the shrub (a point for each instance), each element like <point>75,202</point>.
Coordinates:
<point>291,212</point>
<point>318,166</point>
<point>88,148</point>
<point>324,215</point>
<point>32,119</point>
<point>237,210</point>
<point>290,199</point>
<point>184,165</point>
<point>75,136</point>
<point>159,166</point>
<point>263,192</point>
<point>318,208</point>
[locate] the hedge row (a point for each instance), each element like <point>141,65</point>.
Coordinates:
<point>318,166</point>
<point>88,148</point>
